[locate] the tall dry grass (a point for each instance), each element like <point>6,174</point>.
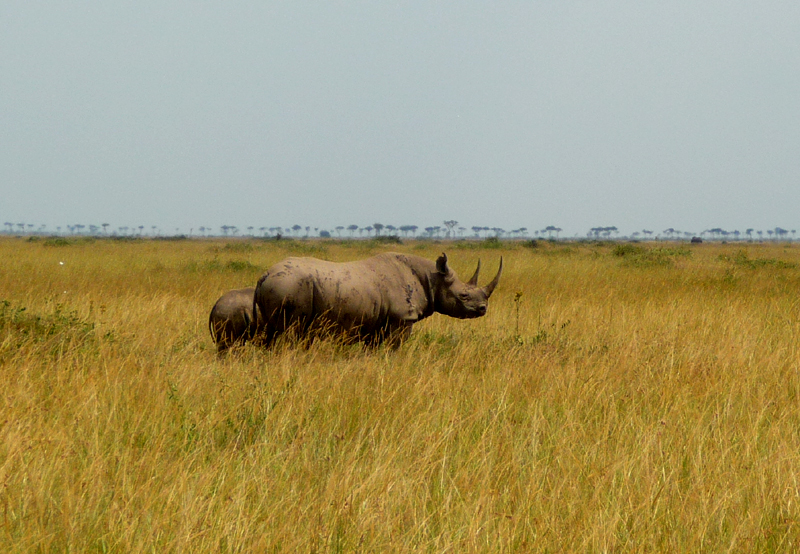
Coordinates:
<point>616,398</point>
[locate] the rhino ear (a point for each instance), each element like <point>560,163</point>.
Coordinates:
<point>441,264</point>
<point>474,279</point>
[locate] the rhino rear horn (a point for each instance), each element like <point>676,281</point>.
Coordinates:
<point>489,289</point>
<point>474,279</point>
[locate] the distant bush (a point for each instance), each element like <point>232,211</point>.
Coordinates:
<point>742,260</point>
<point>625,249</point>
<point>238,247</point>
<point>64,241</point>
<point>492,242</point>
<point>531,243</point>
<point>641,256</point>
<point>303,247</point>
<point>216,265</point>
<point>56,241</point>
<point>388,239</point>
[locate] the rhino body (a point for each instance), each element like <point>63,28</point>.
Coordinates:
<point>372,300</point>
<point>231,321</point>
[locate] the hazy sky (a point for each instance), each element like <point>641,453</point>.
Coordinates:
<point>638,114</point>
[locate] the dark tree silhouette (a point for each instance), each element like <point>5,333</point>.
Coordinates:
<point>550,229</point>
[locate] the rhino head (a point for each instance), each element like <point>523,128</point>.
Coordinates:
<point>458,299</point>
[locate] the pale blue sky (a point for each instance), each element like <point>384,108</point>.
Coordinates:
<point>644,114</point>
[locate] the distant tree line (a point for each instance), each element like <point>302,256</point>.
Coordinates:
<point>450,229</point>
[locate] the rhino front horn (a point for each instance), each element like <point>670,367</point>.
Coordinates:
<point>474,279</point>
<point>489,289</point>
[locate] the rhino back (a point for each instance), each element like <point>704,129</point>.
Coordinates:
<point>362,293</point>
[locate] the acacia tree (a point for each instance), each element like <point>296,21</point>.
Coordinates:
<point>406,229</point>
<point>378,227</point>
<point>550,229</point>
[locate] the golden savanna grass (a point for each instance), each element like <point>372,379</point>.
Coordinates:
<point>616,398</point>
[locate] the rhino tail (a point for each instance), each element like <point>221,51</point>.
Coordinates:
<point>211,327</point>
<point>253,324</point>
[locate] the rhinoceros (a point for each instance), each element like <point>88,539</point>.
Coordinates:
<point>231,320</point>
<point>373,300</point>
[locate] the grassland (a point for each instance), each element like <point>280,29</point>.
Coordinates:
<point>616,398</point>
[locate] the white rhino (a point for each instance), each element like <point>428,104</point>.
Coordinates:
<point>370,300</point>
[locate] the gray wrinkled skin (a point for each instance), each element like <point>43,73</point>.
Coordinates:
<point>231,321</point>
<point>374,300</point>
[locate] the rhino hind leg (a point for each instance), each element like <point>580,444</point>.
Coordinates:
<point>286,321</point>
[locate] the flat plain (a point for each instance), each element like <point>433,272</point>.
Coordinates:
<point>616,398</point>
